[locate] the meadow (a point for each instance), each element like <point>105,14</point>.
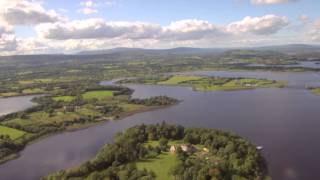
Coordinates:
<point>160,165</point>
<point>97,94</point>
<point>203,83</point>
<point>12,133</point>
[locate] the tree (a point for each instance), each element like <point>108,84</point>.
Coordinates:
<point>163,143</point>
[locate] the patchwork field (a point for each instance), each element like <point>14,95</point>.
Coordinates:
<point>64,98</point>
<point>12,133</point>
<point>174,80</point>
<point>202,83</point>
<point>97,94</point>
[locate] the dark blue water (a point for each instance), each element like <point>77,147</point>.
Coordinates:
<point>284,121</point>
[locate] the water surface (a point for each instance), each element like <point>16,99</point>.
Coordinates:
<point>15,104</point>
<point>284,121</point>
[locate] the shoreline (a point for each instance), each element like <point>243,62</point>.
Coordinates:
<point>16,155</point>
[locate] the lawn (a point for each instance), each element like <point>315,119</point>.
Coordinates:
<point>161,165</point>
<point>97,95</point>
<point>179,79</point>
<point>12,133</point>
<point>64,98</point>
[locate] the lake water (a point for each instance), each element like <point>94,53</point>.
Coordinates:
<point>14,104</point>
<point>284,121</point>
<point>306,64</point>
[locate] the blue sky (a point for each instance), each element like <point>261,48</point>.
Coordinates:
<point>166,11</point>
<point>162,24</point>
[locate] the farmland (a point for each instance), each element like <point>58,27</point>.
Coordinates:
<point>11,133</point>
<point>203,83</point>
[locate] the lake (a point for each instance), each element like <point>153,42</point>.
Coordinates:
<point>305,64</point>
<point>284,121</point>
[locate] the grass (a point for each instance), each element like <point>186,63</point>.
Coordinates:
<point>174,80</point>
<point>235,84</point>
<point>161,165</point>
<point>316,91</point>
<point>12,133</point>
<point>33,91</point>
<point>64,98</point>
<point>97,95</point>
<point>9,94</point>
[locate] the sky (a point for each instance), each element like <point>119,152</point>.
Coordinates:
<point>68,26</point>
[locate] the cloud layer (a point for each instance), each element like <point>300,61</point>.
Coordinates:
<point>56,33</point>
<point>189,29</point>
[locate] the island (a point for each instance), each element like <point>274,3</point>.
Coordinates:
<point>70,109</point>
<point>314,90</point>
<point>205,83</point>
<point>165,151</point>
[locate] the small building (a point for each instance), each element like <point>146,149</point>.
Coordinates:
<point>173,149</point>
<point>184,147</point>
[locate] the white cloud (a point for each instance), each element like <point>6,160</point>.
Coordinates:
<point>191,29</point>
<point>97,28</point>
<point>87,4</point>
<point>97,33</point>
<point>265,25</point>
<point>7,42</point>
<point>7,38</point>
<point>304,18</point>
<point>272,1</point>
<point>314,32</point>
<point>87,11</point>
<point>88,7</point>
<point>23,12</point>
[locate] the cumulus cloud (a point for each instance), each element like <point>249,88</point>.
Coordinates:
<point>87,11</point>
<point>265,25</point>
<point>314,32</point>
<point>97,28</point>
<point>272,1</point>
<point>97,33</point>
<point>7,38</point>
<point>23,12</point>
<point>191,29</point>
<point>7,42</point>
<point>88,7</point>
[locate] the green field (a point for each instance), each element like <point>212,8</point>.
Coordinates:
<point>97,95</point>
<point>174,80</point>
<point>33,91</point>
<point>64,98</point>
<point>12,133</point>
<point>161,165</point>
<point>316,91</point>
<point>236,84</point>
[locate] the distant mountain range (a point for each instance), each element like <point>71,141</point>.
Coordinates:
<point>176,51</point>
<point>129,53</point>
<point>286,49</point>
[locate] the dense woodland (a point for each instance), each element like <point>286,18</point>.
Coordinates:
<point>237,158</point>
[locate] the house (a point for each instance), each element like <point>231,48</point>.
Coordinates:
<point>173,149</point>
<point>184,147</point>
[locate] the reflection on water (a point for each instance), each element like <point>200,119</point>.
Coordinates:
<point>284,121</point>
<point>305,64</point>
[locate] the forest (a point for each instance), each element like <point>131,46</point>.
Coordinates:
<point>228,156</point>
